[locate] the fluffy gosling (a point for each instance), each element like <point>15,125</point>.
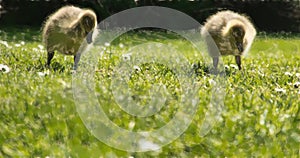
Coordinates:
<point>65,30</point>
<point>232,33</point>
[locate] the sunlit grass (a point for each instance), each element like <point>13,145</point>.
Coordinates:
<point>260,118</point>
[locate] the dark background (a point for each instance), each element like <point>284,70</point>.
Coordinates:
<point>267,15</point>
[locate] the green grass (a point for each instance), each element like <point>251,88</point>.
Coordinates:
<point>260,116</point>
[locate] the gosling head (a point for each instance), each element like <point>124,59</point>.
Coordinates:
<point>238,34</point>
<point>235,31</point>
<point>85,23</point>
<point>88,21</point>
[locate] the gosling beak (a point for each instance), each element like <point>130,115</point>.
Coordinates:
<point>240,46</point>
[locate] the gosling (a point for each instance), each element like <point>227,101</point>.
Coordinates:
<point>65,30</point>
<point>232,33</point>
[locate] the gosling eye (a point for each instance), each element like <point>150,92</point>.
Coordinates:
<point>237,34</point>
<point>87,22</point>
<point>234,34</point>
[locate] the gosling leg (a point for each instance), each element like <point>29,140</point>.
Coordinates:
<point>215,62</point>
<point>50,56</point>
<point>238,61</point>
<point>76,61</point>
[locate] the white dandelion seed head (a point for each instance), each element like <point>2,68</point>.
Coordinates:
<point>234,66</point>
<point>121,45</point>
<point>4,43</point>
<point>64,83</point>
<point>296,84</point>
<point>107,44</point>
<point>136,68</point>
<point>131,125</point>
<point>22,43</point>
<point>288,74</point>
<point>272,129</point>
<point>212,82</point>
<point>40,46</point>
<point>263,117</point>
<point>126,57</point>
<point>195,66</point>
<point>283,117</point>
<point>281,90</point>
<point>226,66</point>
<point>261,73</point>
<point>148,145</point>
<point>35,49</point>
<point>18,45</point>
<point>42,74</point>
<point>4,68</point>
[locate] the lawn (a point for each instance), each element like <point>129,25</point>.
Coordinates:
<point>260,116</point>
